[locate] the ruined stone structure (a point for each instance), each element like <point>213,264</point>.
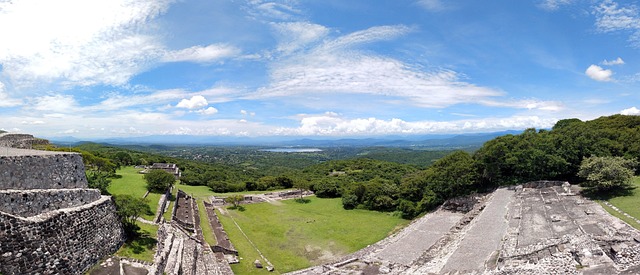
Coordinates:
<point>50,222</point>
<point>181,247</point>
<point>23,141</point>
<point>542,227</point>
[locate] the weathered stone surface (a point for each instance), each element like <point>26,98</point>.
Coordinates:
<point>66,241</point>
<point>27,203</point>
<point>30,169</point>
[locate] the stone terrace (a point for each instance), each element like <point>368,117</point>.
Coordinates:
<point>50,223</point>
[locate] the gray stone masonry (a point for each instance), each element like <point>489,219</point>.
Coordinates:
<point>66,241</point>
<point>32,169</point>
<point>50,222</point>
<point>27,203</point>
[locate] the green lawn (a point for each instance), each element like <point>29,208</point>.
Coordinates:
<point>209,237</point>
<point>629,204</point>
<point>297,235</point>
<point>203,192</point>
<point>132,183</point>
<point>141,248</point>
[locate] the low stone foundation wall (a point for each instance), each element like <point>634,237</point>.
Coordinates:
<point>47,170</point>
<point>27,203</point>
<point>65,241</point>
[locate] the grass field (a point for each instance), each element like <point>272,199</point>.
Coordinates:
<point>295,235</point>
<point>629,204</point>
<point>207,231</point>
<point>202,192</point>
<point>133,183</point>
<point>141,248</point>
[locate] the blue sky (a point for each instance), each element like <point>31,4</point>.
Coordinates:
<point>332,68</point>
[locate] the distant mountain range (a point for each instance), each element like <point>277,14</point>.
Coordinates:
<point>444,141</point>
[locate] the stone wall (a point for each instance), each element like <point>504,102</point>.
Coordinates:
<point>27,203</point>
<point>65,241</point>
<point>41,170</point>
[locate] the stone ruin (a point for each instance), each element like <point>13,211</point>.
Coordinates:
<point>542,227</point>
<point>50,222</point>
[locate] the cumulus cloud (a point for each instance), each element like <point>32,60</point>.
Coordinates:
<point>196,102</point>
<point>200,54</point>
<point>597,73</point>
<point>78,42</point>
<point>633,111</point>
<point>331,124</point>
<point>617,61</point>
<point>208,111</point>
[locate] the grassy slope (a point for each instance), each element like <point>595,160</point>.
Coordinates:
<point>629,204</point>
<point>141,248</point>
<point>133,183</point>
<point>294,235</point>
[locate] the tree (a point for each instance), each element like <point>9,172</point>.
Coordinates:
<point>98,180</point>
<point>302,186</point>
<point>234,199</point>
<point>604,174</point>
<point>159,180</point>
<point>129,209</point>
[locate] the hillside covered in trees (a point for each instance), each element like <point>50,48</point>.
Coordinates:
<point>407,181</point>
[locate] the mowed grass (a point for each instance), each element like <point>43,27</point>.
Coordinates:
<point>203,192</point>
<point>207,231</point>
<point>629,204</point>
<point>295,235</point>
<point>131,182</point>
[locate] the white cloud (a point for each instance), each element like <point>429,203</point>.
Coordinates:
<point>597,73</point>
<point>200,54</point>
<point>432,5</point>
<point>633,111</point>
<point>208,111</point>
<point>295,35</point>
<point>5,101</point>
<point>196,102</point>
<point>552,5</point>
<point>617,61</point>
<point>331,124</point>
<point>77,42</point>
<point>610,17</point>
<point>274,9</point>
<point>57,103</point>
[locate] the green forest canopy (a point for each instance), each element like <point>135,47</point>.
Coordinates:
<point>376,184</point>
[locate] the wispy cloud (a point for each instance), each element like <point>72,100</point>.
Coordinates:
<point>77,42</point>
<point>553,5</point>
<point>339,66</point>
<point>200,54</point>
<point>610,17</point>
<point>269,10</point>
<point>293,36</point>
<point>5,100</point>
<point>617,61</point>
<point>597,73</point>
<point>432,5</point>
